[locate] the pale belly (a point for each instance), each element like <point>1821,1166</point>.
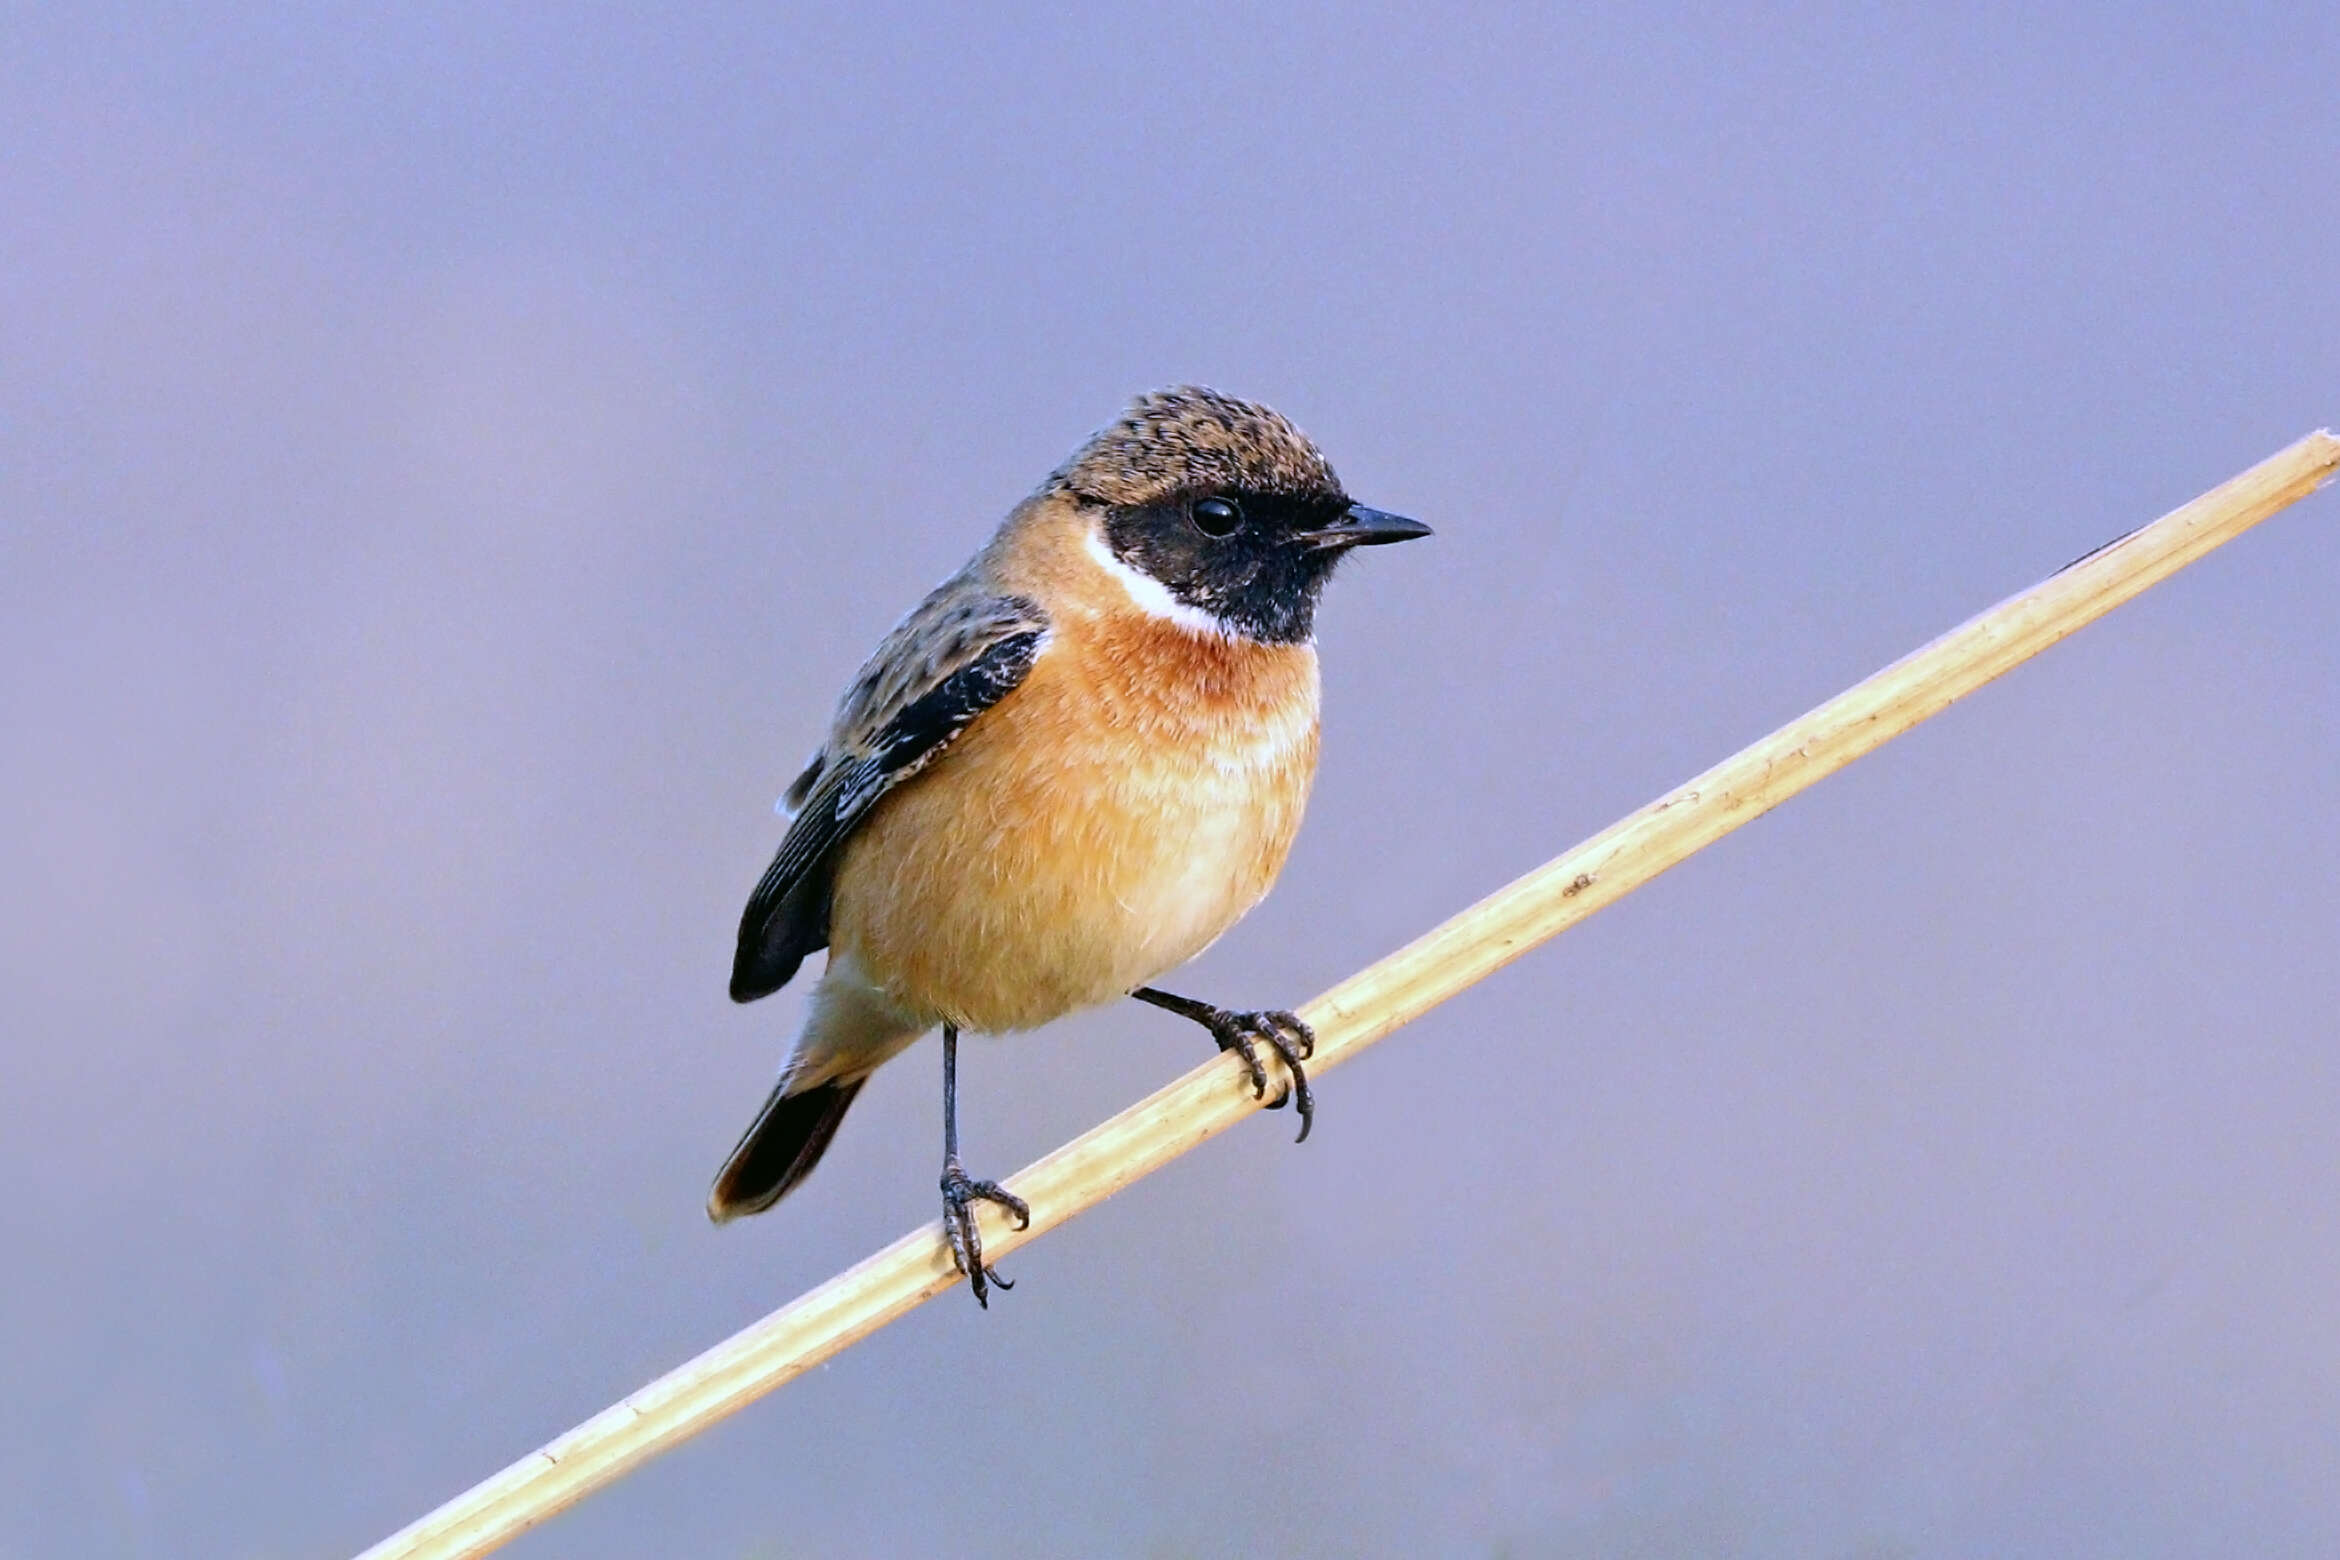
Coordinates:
<point>996,893</point>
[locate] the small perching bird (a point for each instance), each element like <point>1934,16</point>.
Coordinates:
<point>1073,766</point>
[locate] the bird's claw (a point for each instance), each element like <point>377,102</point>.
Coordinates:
<point>1292,1041</point>
<point>965,1235</point>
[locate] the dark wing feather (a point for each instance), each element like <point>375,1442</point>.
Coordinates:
<point>955,657</point>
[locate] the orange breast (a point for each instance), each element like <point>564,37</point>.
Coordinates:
<point>1099,826</point>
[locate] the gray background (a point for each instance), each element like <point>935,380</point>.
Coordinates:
<point>449,465</point>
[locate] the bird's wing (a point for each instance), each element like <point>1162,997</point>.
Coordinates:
<point>959,653</point>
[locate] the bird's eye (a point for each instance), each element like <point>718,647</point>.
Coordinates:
<point>1217,516</point>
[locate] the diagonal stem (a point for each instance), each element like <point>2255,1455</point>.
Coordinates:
<point>1368,1005</point>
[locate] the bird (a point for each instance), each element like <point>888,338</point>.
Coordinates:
<point>1065,773</point>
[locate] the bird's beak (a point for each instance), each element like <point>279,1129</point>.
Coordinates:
<point>1362,527</point>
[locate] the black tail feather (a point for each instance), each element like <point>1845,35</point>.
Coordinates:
<point>786,1140</point>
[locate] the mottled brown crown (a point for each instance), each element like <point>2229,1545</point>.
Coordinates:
<point>1188,439</point>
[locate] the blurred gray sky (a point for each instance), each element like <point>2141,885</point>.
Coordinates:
<point>448,465</point>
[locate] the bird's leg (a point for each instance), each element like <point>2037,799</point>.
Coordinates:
<point>959,1226</point>
<point>1289,1038</point>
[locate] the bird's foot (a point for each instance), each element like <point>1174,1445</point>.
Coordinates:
<point>1291,1040</point>
<point>965,1236</point>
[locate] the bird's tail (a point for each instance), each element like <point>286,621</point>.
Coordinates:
<point>782,1145</point>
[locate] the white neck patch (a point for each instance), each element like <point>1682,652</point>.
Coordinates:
<point>1150,595</point>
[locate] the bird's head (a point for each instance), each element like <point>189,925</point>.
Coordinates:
<point>1224,508</point>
